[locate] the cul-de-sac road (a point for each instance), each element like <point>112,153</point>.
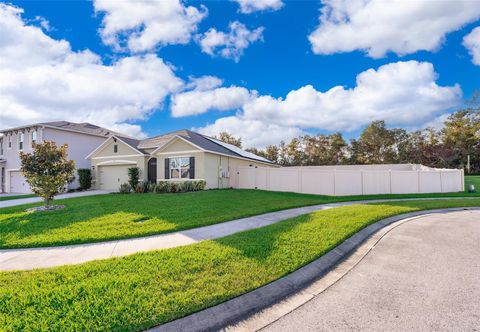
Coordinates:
<point>424,275</point>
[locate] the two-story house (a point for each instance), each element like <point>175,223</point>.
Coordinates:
<point>81,138</point>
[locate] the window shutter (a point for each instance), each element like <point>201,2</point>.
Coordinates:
<point>167,168</point>
<point>192,167</point>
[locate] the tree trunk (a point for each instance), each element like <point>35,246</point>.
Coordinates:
<point>46,201</point>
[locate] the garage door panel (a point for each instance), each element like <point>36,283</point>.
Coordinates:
<point>18,183</point>
<point>111,177</point>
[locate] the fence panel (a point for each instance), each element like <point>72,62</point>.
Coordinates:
<point>350,181</point>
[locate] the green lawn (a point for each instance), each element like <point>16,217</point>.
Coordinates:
<point>11,197</point>
<point>139,291</point>
<point>115,216</point>
<point>472,179</point>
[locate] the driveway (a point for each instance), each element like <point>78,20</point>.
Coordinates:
<point>424,275</point>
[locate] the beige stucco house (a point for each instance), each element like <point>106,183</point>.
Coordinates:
<point>81,138</point>
<point>178,156</point>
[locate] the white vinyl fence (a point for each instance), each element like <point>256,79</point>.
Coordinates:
<point>350,180</point>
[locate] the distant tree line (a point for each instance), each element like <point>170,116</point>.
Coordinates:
<point>447,147</point>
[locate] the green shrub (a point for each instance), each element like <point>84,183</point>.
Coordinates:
<point>179,186</point>
<point>85,178</point>
<point>125,188</point>
<point>133,176</point>
<point>142,187</point>
<point>152,187</point>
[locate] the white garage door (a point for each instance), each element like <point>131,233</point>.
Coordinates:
<point>18,183</point>
<point>111,177</point>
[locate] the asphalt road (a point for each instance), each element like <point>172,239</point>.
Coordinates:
<point>422,276</point>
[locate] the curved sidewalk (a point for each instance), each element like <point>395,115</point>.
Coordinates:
<point>32,258</point>
<point>272,302</point>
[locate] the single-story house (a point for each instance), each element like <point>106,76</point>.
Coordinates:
<point>177,156</point>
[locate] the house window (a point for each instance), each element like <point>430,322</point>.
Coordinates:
<point>34,137</point>
<point>9,141</point>
<point>1,146</point>
<point>21,138</point>
<point>180,168</point>
<point>115,148</point>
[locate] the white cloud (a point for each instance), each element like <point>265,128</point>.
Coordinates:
<point>472,43</point>
<point>231,44</point>
<point>42,79</point>
<point>250,6</point>
<point>203,83</point>
<point>401,93</point>
<point>145,24</point>
<point>200,101</point>
<point>254,133</point>
<point>380,26</point>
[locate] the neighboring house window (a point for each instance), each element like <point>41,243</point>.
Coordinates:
<point>34,137</point>
<point>21,138</point>
<point>9,141</point>
<point>180,168</point>
<point>115,148</point>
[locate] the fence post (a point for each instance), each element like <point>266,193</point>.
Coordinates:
<point>390,179</point>
<point>334,182</point>
<point>441,181</point>
<point>361,179</point>
<point>299,180</point>
<point>418,181</point>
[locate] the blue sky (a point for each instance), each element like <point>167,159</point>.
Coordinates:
<point>279,60</point>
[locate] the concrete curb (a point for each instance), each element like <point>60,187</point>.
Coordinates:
<point>245,305</point>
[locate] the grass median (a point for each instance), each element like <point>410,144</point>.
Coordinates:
<point>140,291</point>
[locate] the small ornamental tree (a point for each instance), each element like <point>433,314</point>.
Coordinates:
<point>133,177</point>
<point>47,170</point>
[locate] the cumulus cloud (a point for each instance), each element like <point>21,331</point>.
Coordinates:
<point>231,44</point>
<point>378,26</point>
<point>472,43</point>
<point>250,6</point>
<point>254,133</point>
<point>42,79</point>
<point>200,101</point>
<point>142,25</point>
<point>401,93</point>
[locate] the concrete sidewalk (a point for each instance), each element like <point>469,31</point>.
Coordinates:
<point>27,259</point>
<point>21,201</point>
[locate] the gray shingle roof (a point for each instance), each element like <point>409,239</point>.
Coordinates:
<point>84,127</point>
<point>202,141</point>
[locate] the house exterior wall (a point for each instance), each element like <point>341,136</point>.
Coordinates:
<point>79,146</point>
<point>125,156</point>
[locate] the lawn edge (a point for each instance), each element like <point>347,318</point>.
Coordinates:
<point>245,305</point>
<point>107,241</point>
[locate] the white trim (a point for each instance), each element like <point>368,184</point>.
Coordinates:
<point>101,146</point>
<point>116,163</point>
<point>116,156</point>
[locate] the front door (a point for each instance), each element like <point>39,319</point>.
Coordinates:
<point>152,170</point>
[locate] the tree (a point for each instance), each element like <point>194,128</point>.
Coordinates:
<point>230,139</point>
<point>47,170</point>
<point>376,145</point>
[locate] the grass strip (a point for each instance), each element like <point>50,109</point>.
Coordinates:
<point>112,217</point>
<point>139,291</point>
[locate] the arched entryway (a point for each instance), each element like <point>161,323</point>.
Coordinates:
<point>152,170</point>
